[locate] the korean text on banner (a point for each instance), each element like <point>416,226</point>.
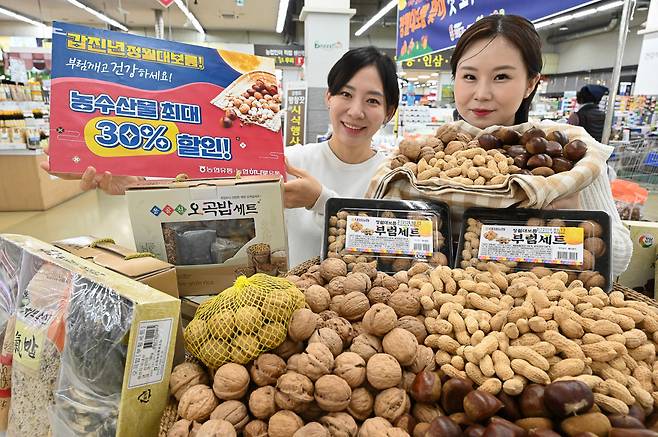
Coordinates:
<point>427,26</point>
<point>143,106</point>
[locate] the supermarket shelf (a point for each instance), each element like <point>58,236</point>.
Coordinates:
<point>20,152</point>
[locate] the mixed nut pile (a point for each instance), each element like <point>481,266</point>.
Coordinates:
<point>400,355</point>
<point>489,158</point>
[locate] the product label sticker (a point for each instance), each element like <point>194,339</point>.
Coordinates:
<point>142,106</point>
<point>151,349</point>
<point>389,236</point>
<point>546,245</point>
<point>28,344</point>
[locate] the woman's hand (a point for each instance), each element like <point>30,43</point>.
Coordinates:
<point>302,192</point>
<point>107,181</point>
<point>90,180</point>
<point>569,202</point>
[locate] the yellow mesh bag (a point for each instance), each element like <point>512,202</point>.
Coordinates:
<point>243,321</point>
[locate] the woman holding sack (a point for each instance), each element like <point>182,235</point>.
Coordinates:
<point>496,67</point>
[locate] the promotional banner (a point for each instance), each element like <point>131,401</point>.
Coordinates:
<point>296,113</point>
<point>427,26</point>
<point>142,106</point>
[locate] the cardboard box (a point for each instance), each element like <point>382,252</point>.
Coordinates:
<point>141,389</point>
<point>145,269</point>
<point>24,186</point>
<point>641,271</point>
<point>213,230</point>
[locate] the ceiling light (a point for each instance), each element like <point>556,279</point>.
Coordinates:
<point>585,13</point>
<point>423,76</point>
<point>402,73</point>
<point>190,16</point>
<point>22,18</point>
<point>543,24</point>
<point>376,17</point>
<point>434,74</point>
<point>563,28</point>
<point>562,19</point>
<point>99,15</point>
<point>610,6</point>
<point>281,18</point>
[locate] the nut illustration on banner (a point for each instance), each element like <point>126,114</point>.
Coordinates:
<point>254,98</point>
<point>490,235</point>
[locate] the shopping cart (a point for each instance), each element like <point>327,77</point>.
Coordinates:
<point>637,160</point>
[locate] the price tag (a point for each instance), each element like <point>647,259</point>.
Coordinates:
<point>389,236</point>
<point>546,245</point>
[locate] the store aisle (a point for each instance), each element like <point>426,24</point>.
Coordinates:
<point>92,213</point>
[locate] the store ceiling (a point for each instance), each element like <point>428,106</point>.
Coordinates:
<point>255,15</point>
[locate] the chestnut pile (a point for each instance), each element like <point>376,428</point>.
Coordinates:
<point>536,152</point>
<point>560,408</point>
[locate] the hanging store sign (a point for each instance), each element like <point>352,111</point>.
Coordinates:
<point>284,56</point>
<point>166,3</point>
<point>428,26</point>
<point>296,114</point>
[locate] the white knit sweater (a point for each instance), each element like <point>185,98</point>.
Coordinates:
<point>598,196</point>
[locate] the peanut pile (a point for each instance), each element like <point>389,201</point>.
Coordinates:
<point>352,359</point>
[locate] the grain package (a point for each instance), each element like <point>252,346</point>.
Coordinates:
<point>95,350</point>
<point>213,230</point>
<point>10,262</point>
<point>37,345</point>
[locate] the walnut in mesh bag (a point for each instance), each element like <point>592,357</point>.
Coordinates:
<point>261,307</point>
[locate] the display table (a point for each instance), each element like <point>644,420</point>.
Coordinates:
<point>24,186</point>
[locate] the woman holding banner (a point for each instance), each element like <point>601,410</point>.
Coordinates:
<point>362,96</point>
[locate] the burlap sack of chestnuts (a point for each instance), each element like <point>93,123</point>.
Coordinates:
<point>481,182</point>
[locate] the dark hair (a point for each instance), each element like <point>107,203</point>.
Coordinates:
<point>584,96</point>
<point>591,94</point>
<point>519,32</point>
<point>356,59</point>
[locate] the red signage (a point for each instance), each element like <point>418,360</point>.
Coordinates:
<point>166,3</point>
